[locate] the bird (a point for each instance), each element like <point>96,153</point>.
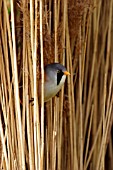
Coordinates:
<point>54,78</point>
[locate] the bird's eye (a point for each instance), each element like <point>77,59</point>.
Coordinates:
<point>58,71</point>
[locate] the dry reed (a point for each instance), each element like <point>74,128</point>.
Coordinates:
<point>74,130</point>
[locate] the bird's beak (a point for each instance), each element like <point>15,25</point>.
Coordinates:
<point>66,73</point>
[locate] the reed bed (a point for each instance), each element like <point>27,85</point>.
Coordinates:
<point>74,130</point>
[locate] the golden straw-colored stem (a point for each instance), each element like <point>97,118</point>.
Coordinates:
<point>42,87</point>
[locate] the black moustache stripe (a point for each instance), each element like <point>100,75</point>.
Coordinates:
<point>59,77</point>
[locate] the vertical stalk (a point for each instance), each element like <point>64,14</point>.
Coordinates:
<point>42,86</point>
<point>16,92</point>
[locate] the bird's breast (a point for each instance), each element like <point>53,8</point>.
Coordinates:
<point>51,88</point>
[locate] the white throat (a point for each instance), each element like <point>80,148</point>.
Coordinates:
<point>53,88</point>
